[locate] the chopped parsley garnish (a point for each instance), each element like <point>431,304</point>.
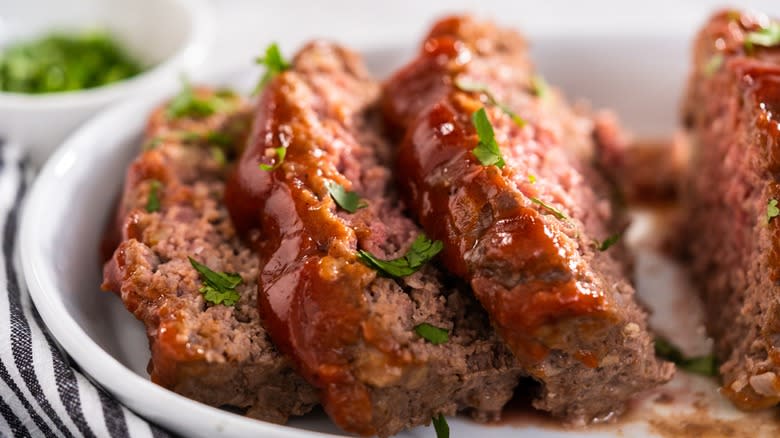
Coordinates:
<point>765,37</point>
<point>432,334</point>
<point>188,104</point>
<point>608,242</point>
<point>65,62</point>
<point>703,365</point>
<point>557,213</point>
<point>153,201</point>
<point>152,143</point>
<point>349,201</point>
<point>475,87</point>
<point>441,426</point>
<point>714,64</point>
<point>281,152</point>
<point>421,251</point>
<point>211,137</point>
<point>274,64</point>
<point>771,210</point>
<point>218,287</point>
<point>487,151</point>
<point>218,155</point>
<point>532,179</point>
<point>539,86</point>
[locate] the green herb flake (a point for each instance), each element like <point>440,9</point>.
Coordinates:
<point>152,143</point>
<point>218,287</point>
<point>432,334</point>
<point>62,62</point>
<point>421,251</point>
<point>153,201</point>
<point>487,150</point>
<point>476,87</point>
<point>349,201</point>
<point>608,242</point>
<point>188,104</point>
<point>211,137</point>
<point>771,210</point>
<point>281,152</point>
<point>765,37</point>
<point>714,64</point>
<point>555,212</point>
<point>532,179</point>
<point>539,86</point>
<point>702,365</point>
<point>218,155</point>
<point>274,63</point>
<point>441,426</point>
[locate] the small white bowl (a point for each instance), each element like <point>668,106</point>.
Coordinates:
<point>169,37</point>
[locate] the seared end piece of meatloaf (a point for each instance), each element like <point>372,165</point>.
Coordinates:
<point>217,354</point>
<point>731,237</point>
<point>349,329</point>
<point>523,235</point>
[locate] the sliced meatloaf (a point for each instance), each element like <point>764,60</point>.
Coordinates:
<point>527,233</point>
<point>731,235</point>
<point>353,332</point>
<point>217,354</point>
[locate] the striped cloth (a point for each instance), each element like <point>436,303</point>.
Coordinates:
<point>42,393</point>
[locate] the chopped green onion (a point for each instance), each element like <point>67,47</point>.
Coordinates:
<point>432,334</point>
<point>153,201</point>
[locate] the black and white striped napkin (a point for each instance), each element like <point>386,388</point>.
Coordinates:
<point>42,393</point>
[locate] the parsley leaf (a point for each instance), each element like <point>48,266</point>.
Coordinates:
<point>713,65</point>
<point>608,242</point>
<point>349,201</point>
<point>487,151</point>
<point>441,426</point>
<point>431,333</point>
<point>772,211</point>
<point>153,201</point>
<point>152,143</point>
<point>218,155</point>
<point>532,178</point>
<point>212,137</point>
<point>274,64</point>
<point>186,104</point>
<point>765,37</point>
<point>421,251</point>
<point>702,365</point>
<point>557,213</point>
<point>281,152</point>
<point>539,86</point>
<point>218,287</point>
<point>475,87</point>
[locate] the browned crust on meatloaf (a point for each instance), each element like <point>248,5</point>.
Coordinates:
<point>731,113</point>
<point>589,365</point>
<point>349,329</point>
<point>216,354</point>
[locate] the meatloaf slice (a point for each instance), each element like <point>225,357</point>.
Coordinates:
<point>731,235</point>
<point>350,330</point>
<point>217,354</point>
<point>524,234</point>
